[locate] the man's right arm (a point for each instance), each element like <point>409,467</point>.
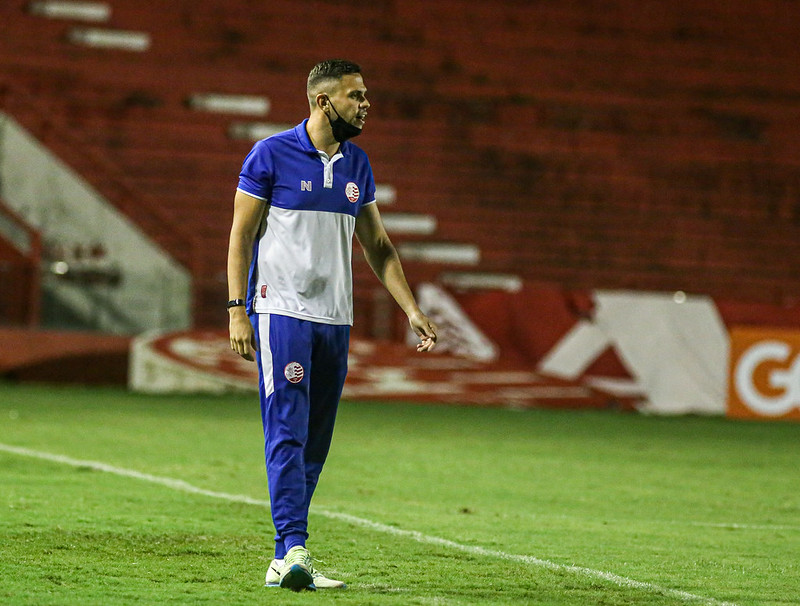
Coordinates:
<point>247,215</point>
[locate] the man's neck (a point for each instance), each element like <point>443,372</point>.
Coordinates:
<point>319,132</point>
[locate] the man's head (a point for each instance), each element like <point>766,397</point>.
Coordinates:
<point>327,75</point>
<point>336,89</point>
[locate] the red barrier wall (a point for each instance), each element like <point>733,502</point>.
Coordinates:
<point>63,357</point>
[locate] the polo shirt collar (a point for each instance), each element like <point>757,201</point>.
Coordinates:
<point>302,137</point>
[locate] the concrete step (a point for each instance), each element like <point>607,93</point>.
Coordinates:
<point>250,105</point>
<point>92,12</point>
<point>440,252</point>
<point>481,281</point>
<point>409,223</point>
<point>112,39</point>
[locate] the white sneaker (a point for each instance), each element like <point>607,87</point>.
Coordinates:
<point>274,574</point>
<point>295,574</point>
<point>320,581</point>
<point>323,582</point>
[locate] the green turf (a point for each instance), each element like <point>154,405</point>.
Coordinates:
<point>707,507</point>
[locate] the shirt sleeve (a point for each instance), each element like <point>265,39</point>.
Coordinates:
<point>369,197</point>
<point>257,175</point>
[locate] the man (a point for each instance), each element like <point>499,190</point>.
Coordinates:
<point>301,196</point>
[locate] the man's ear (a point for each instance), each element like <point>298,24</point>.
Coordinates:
<point>323,101</point>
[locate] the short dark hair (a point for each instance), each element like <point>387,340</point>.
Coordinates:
<point>331,69</point>
<point>326,76</point>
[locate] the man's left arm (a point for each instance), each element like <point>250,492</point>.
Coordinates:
<point>385,262</point>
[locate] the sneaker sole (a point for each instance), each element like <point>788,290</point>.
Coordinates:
<point>337,586</point>
<point>311,587</point>
<point>298,578</point>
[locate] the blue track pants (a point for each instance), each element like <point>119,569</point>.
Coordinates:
<point>302,367</point>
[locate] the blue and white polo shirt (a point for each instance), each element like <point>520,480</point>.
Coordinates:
<point>302,261</point>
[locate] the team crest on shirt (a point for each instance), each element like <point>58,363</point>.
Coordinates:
<point>293,372</point>
<point>352,192</point>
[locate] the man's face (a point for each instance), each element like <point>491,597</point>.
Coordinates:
<point>350,101</point>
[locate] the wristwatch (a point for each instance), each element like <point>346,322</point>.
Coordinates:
<point>236,303</point>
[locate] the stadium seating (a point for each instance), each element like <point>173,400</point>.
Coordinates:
<point>634,145</point>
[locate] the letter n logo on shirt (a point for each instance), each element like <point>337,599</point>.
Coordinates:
<point>305,185</point>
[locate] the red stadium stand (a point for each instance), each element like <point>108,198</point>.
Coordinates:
<point>635,145</point>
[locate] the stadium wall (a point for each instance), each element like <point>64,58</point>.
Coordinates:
<point>659,353</point>
<point>63,357</point>
<point>656,352</point>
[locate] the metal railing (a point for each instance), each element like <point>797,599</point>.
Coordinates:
<point>28,242</point>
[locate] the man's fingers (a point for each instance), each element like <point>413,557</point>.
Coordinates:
<point>425,330</point>
<point>243,348</point>
<point>432,332</point>
<point>426,344</point>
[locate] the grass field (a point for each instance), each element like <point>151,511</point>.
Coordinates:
<point>161,500</point>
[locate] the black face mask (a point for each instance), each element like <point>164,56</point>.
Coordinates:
<point>342,130</point>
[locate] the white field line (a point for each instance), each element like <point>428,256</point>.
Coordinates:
<point>721,525</point>
<point>130,473</point>
<point>183,486</point>
<point>736,526</point>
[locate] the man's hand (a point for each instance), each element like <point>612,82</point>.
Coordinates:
<point>243,339</point>
<point>424,329</point>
